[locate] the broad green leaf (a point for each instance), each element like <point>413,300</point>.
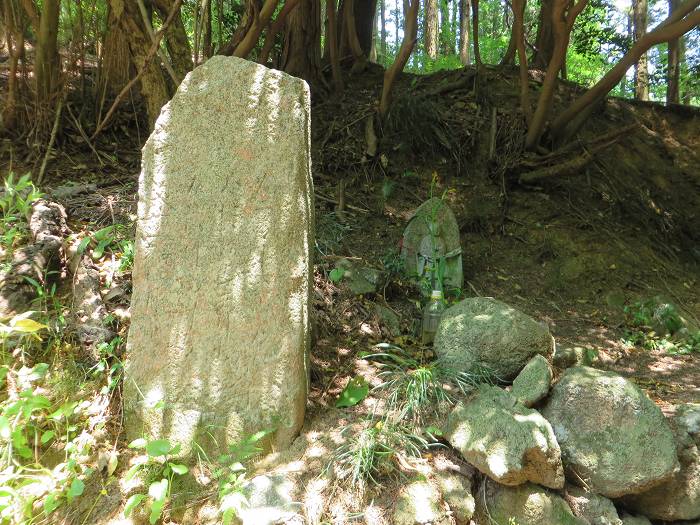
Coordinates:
<point>76,489</point>
<point>138,443</point>
<point>51,503</point>
<point>83,245</point>
<point>158,447</point>
<point>28,326</point>
<point>132,503</point>
<point>5,429</point>
<point>158,490</point>
<point>112,463</point>
<point>356,390</point>
<point>336,274</point>
<point>132,471</point>
<point>46,436</point>
<point>178,469</point>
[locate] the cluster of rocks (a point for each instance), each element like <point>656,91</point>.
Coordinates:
<point>592,449</point>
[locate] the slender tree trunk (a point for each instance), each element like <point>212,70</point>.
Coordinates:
<point>475,32</point>
<point>382,14</point>
<point>153,86</point>
<point>260,20</point>
<point>464,15</point>
<point>252,8</point>
<point>430,29</point>
<point>47,62</point>
<point>519,38</point>
<point>117,69</point>
<point>301,55</point>
<point>176,40</point>
<point>14,37</point>
<point>274,28</point>
<point>674,69</point>
<point>332,43</point>
<point>363,22</point>
<point>445,28</point>
<point>564,15</point>
<point>685,18</point>
<point>409,41</point>
<point>375,37</point>
<point>544,42</point>
<point>641,71</point>
<point>206,46</point>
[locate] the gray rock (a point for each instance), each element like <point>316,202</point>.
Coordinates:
<point>269,502</point>
<point>506,441</point>
<point>389,319</point>
<point>456,490</point>
<point>482,332</point>
<point>526,504</point>
<point>360,279</point>
<point>596,509</point>
<point>418,502</point>
<point>612,436</point>
<point>565,357</point>
<point>532,383</point>
<point>433,231</point>
<point>687,417</point>
<point>679,497</point>
<point>628,519</point>
<point>222,275</point>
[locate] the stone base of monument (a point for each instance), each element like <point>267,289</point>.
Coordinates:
<point>219,336</point>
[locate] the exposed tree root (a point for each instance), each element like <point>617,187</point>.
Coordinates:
<point>35,261</point>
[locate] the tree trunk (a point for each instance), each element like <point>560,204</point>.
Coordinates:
<point>251,38</point>
<point>475,32</point>
<point>445,29</point>
<point>47,61</point>
<point>116,68</point>
<point>674,69</point>
<point>464,15</point>
<point>301,55</point>
<point>641,71</point>
<point>430,29</point>
<point>332,43</point>
<point>206,46</point>
<point>153,87</point>
<point>274,28</point>
<point>685,18</point>
<point>382,14</point>
<point>409,41</point>
<point>176,40</point>
<point>564,15</point>
<point>252,8</point>
<point>519,38</point>
<point>544,42</point>
<point>363,23</point>
<point>14,37</point>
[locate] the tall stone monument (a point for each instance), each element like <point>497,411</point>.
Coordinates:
<point>219,337</point>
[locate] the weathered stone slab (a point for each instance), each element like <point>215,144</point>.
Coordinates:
<point>219,336</point>
<point>433,235</point>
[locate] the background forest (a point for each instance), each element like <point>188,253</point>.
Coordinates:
<point>563,134</point>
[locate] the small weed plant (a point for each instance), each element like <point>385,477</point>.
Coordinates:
<point>16,203</point>
<point>657,325</point>
<point>161,469</point>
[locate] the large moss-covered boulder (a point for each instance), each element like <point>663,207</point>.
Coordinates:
<point>596,509</point>
<point>679,497</point>
<point>482,333</point>
<point>418,503</point>
<point>532,383</point>
<point>526,504</point>
<point>613,438</point>
<point>506,441</point>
